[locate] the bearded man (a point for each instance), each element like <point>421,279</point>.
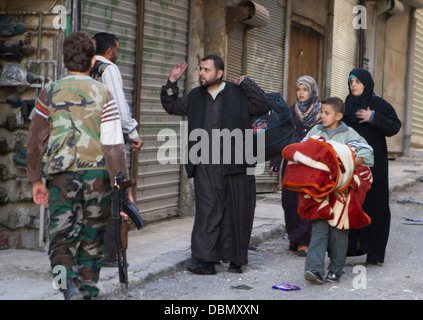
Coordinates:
<point>225,194</point>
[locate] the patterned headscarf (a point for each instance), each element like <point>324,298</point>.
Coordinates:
<point>309,112</point>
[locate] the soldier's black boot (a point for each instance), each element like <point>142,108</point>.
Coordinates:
<point>72,291</point>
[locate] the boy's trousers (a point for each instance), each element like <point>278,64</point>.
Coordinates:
<point>324,238</point>
<point>79,206</point>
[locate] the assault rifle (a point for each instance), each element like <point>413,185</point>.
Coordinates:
<point>120,202</point>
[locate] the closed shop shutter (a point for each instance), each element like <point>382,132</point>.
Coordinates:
<point>344,47</point>
<point>265,64</point>
<point>235,54</point>
<point>119,18</point>
<point>164,44</point>
<point>395,72</point>
<point>265,49</point>
<point>417,111</point>
<point>380,55</point>
<point>315,10</point>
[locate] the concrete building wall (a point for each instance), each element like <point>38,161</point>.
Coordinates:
<point>41,38</point>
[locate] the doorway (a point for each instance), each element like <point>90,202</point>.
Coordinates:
<point>305,58</point>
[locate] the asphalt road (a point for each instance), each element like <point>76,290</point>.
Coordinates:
<point>399,278</point>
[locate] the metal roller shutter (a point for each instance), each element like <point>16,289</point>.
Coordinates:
<point>417,111</point>
<point>265,64</point>
<point>380,56</point>
<point>235,54</point>
<point>119,18</point>
<point>315,10</point>
<point>395,72</point>
<point>265,49</point>
<point>344,47</point>
<point>164,44</point>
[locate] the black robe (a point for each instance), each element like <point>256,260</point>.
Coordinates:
<point>385,123</point>
<point>225,196</point>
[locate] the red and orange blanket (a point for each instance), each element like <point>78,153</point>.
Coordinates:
<point>330,186</point>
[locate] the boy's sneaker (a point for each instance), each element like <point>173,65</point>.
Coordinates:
<point>314,277</point>
<point>332,277</point>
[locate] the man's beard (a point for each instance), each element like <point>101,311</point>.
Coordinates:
<point>113,59</point>
<point>206,84</point>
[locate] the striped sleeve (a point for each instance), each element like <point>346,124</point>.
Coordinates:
<point>38,135</point>
<point>41,106</point>
<point>361,148</point>
<point>110,128</point>
<point>113,80</point>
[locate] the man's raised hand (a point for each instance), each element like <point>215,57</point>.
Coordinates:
<point>177,71</point>
<point>238,80</point>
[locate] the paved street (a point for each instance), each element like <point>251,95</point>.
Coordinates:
<point>159,253</point>
<point>271,263</point>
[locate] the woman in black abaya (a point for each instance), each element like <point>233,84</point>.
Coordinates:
<point>374,119</point>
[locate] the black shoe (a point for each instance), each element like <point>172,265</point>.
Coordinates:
<point>332,277</point>
<point>234,268</point>
<point>202,268</point>
<point>292,246</point>
<point>313,276</point>
<point>302,253</point>
<point>373,262</point>
<point>72,291</point>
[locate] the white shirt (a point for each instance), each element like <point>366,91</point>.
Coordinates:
<point>216,91</point>
<point>113,80</point>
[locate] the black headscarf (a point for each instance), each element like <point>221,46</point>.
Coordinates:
<point>353,103</point>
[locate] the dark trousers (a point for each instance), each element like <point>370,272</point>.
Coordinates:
<point>110,244</point>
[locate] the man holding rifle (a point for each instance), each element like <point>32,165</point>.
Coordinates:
<point>106,71</point>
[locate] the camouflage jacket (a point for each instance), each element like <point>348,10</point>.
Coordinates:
<point>77,124</point>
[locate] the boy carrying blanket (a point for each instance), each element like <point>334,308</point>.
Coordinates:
<point>330,170</point>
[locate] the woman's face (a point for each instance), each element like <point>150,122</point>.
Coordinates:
<point>302,93</point>
<point>356,87</point>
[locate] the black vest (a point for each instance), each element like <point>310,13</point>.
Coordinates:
<point>234,115</point>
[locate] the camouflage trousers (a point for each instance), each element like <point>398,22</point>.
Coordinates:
<point>80,208</point>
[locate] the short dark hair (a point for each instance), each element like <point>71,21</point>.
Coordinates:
<point>337,104</point>
<point>218,61</point>
<point>104,41</point>
<point>78,51</point>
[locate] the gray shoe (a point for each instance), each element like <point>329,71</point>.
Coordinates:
<point>313,277</point>
<point>72,291</point>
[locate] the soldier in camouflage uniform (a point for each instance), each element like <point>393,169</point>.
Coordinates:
<point>76,133</point>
